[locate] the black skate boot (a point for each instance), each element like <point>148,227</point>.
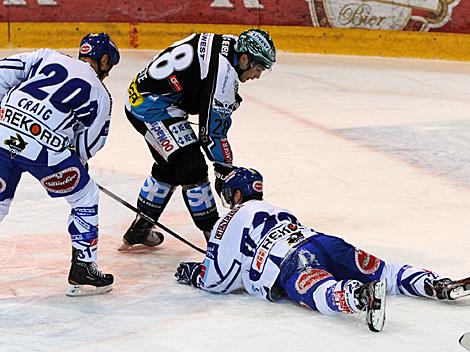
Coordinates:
<point>447,289</point>
<point>86,279</point>
<point>371,297</point>
<point>141,234</point>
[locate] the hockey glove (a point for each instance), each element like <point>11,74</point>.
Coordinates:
<point>238,101</point>
<point>188,273</point>
<point>221,172</point>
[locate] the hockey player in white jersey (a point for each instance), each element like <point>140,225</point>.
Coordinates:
<point>266,250</point>
<point>54,116</point>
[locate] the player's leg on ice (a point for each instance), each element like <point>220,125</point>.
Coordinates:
<point>200,202</point>
<point>153,198</point>
<point>70,179</point>
<point>191,173</point>
<point>307,279</point>
<point>10,175</point>
<point>84,276</point>
<point>412,281</point>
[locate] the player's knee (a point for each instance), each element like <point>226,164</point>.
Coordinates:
<point>86,197</point>
<point>154,196</point>
<point>201,204</point>
<point>191,168</point>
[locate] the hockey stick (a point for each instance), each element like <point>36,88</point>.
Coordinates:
<point>149,219</point>
<point>465,341</point>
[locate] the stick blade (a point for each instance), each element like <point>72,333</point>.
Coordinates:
<point>465,341</point>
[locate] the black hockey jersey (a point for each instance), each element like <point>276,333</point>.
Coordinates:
<point>197,76</point>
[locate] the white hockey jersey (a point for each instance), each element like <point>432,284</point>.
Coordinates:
<point>51,103</point>
<point>247,246</point>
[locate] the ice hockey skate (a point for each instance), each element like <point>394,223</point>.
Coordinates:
<point>447,289</point>
<point>372,298</point>
<point>141,235</point>
<point>85,279</point>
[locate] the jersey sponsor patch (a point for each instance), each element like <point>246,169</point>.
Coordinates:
<point>200,199</point>
<point>34,128</point>
<point>280,233</point>
<point>183,133</point>
<point>3,185</point>
<point>161,139</point>
<point>134,96</point>
<point>309,278</point>
<point>365,262</point>
<point>340,299</point>
<point>62,182</point>
<point>219,233</point>
<point>226,151</point>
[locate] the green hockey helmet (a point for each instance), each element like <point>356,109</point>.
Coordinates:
<point>259,46</point>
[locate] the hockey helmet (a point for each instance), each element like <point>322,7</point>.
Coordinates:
<point>248,181</point>
<point>95,45</point>
<point>259,46</point>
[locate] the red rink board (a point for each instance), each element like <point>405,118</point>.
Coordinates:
<point>249,12</point>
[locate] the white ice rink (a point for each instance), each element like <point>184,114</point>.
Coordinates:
<point>376,150</point>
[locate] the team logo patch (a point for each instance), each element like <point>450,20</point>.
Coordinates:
<point>258,186</point>
<point>62,182</point>
<point>3,185</point>
<point>177,87</point>
<point>310,277</point>
<point>16,144</point>
<point>366,263</point>
<point>85,49</point>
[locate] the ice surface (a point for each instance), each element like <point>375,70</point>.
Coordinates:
<point>376,150</point>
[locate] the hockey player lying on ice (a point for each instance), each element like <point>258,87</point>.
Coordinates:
<point>266,250</point>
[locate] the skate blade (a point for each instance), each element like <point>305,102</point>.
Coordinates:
<point>465,341</point>
<point>459,292</point>
<point>135,248</point>
<point>376,317</point>
<point>87,290</point>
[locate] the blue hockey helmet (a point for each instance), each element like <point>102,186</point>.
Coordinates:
<point>248,181</point>
<point>95,45</point>
<point>259,46</point>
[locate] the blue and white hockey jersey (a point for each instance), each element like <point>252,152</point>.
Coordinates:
<point>247,246</point>
<point>51,103</point>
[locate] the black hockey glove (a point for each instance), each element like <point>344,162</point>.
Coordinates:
<point>188,273</point>
<point>221,172</point>
<point>238,101</point>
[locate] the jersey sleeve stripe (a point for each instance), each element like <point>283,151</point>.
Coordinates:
<point>13,64</point>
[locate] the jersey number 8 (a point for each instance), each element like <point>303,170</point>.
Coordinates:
<point>176,60</point>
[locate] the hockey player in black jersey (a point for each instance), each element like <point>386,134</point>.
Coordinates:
<point>198,75</point>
